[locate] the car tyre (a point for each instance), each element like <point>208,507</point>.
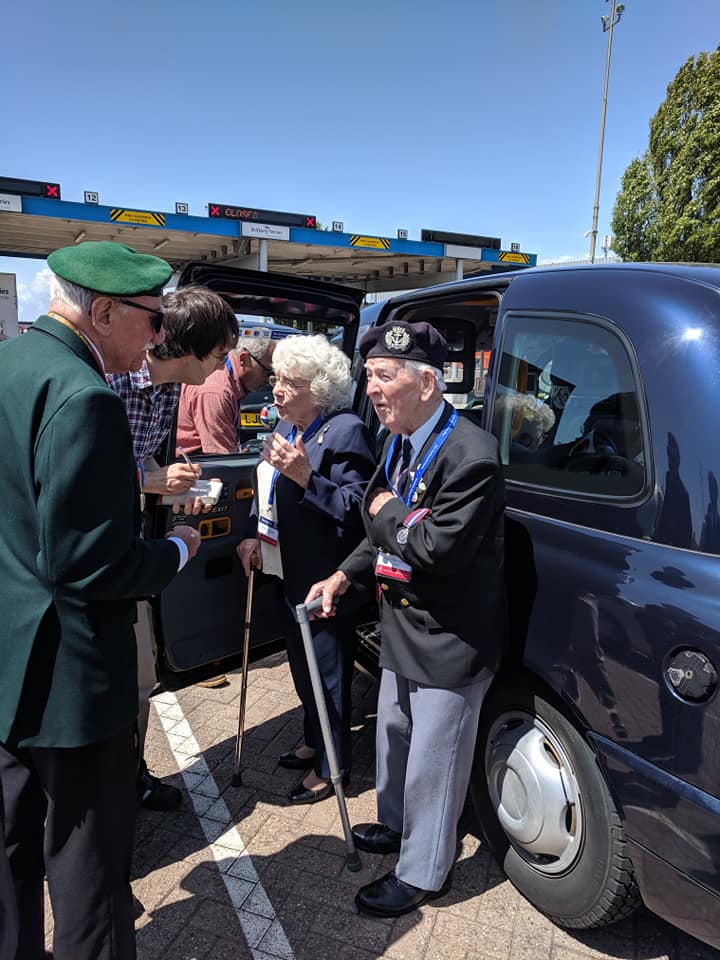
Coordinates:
<point>547,813</point>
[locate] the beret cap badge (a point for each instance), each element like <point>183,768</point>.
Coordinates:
<point>397,338</point>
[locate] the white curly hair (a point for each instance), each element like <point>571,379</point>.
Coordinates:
<point>324,365</point>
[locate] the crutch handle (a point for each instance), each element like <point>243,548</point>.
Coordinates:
<point>303,610</point>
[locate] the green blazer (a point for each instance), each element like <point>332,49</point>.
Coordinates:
<point>72,563</point>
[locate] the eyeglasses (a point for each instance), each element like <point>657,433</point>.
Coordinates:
<point>265,367</point>
<point>292,385</point>
<point>157,317</point>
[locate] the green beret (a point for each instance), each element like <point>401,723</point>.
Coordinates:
<point>111,268</point>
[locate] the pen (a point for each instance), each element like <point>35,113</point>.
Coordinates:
<point>185,457</point>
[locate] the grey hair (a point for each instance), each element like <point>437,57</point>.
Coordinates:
<point>257,347</point>
<point>62,291</point>
<point>420,368</point>
<point>324,365</point>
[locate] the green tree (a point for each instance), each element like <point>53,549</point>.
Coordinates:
<point>668,207</point>
<point>634,222</point>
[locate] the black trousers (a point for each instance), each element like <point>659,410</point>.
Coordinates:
<point>70,814</point>
<point>334,641</point>
<point>8,907</point>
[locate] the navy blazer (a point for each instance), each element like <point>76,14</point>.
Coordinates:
<point>319,526</point>
<point>448,623</point>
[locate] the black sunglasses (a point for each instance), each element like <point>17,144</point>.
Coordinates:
<point>157,317</point>
<point>265,367</point>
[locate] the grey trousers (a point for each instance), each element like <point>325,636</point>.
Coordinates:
<point>425,747</point>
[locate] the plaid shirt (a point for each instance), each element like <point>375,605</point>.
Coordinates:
<point>150,409</point>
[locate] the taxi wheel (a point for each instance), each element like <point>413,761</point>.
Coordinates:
<point>547,813</point>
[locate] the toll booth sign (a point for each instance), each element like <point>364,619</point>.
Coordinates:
<point>272,217</point>
<point>30,188</point>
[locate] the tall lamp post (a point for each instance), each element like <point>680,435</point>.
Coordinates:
<point>608,23</point>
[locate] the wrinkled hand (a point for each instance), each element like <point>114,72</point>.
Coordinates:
<point>175,478</point>
<point>291,461</point>
<point>377,501</point>
<point>189,536</point>
<point>330,589</point>
<point>250,556</point>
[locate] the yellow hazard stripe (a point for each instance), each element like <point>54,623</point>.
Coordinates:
<point>378,243</point>
<point>508,256</point>
<point>121,215</point>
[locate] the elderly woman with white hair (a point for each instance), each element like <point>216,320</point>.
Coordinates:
<point>306,519</point>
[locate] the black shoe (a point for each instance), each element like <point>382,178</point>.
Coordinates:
<point>376,838</point>
<point>391,897</point>
<point>291,761</point>
<point>153,794</point>
<point>302,794</point>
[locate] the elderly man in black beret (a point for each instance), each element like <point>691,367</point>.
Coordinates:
<point>433,549</point>
<point>71,566</point>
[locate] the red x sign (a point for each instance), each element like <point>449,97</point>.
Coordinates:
<point>52,190</point>
<point>311,222</point>
<point>214,211</point>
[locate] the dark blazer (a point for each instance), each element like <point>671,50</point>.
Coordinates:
<point>319,526</point>
<point>71,561</point>
<point>448,623</point>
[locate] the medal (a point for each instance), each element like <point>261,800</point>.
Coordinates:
<point>269,415</point>
<point>402,535</point>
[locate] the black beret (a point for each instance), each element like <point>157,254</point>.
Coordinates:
<point>111,268</point>
<point>405,341</point>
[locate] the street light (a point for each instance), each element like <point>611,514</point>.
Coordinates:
<point>608,22</point>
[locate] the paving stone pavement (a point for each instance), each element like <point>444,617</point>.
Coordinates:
<point>237,874</point>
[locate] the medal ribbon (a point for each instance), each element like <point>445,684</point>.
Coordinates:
<point>424,463</point>
<point>78,333</point>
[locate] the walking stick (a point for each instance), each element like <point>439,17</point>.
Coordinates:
<point>303,611</point>
<point>237,777</point>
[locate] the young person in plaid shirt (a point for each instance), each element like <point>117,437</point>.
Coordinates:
<point>200,330</point>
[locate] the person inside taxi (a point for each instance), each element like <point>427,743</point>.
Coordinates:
<point>208,414</point>
<point>306,517</point>
<point>72,565</point>
<point>200,330</point>
<point>434,547</point>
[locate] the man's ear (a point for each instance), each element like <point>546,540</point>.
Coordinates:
<point>100,316</point>
<point>427,381</point>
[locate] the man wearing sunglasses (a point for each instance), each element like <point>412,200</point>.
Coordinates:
<point>200,330</point>
<point>208,415</point>
<point>72,564</point>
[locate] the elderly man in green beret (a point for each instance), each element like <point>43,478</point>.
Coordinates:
<point>72,565</point>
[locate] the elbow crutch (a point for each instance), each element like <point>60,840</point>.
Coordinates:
<point>302,612</point>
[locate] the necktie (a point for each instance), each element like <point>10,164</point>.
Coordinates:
<point>404,470</point>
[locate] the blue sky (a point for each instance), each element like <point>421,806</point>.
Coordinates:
<point>469,115</point>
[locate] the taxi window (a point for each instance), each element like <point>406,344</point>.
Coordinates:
<point>566,412</point>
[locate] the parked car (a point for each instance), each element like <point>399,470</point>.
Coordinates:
<point>597,775</point>
<point>250,423</point>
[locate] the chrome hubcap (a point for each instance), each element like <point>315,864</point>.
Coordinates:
<point>534,791</point>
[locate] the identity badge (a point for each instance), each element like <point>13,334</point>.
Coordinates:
<point>267,530</point>
<point>390,567</point>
